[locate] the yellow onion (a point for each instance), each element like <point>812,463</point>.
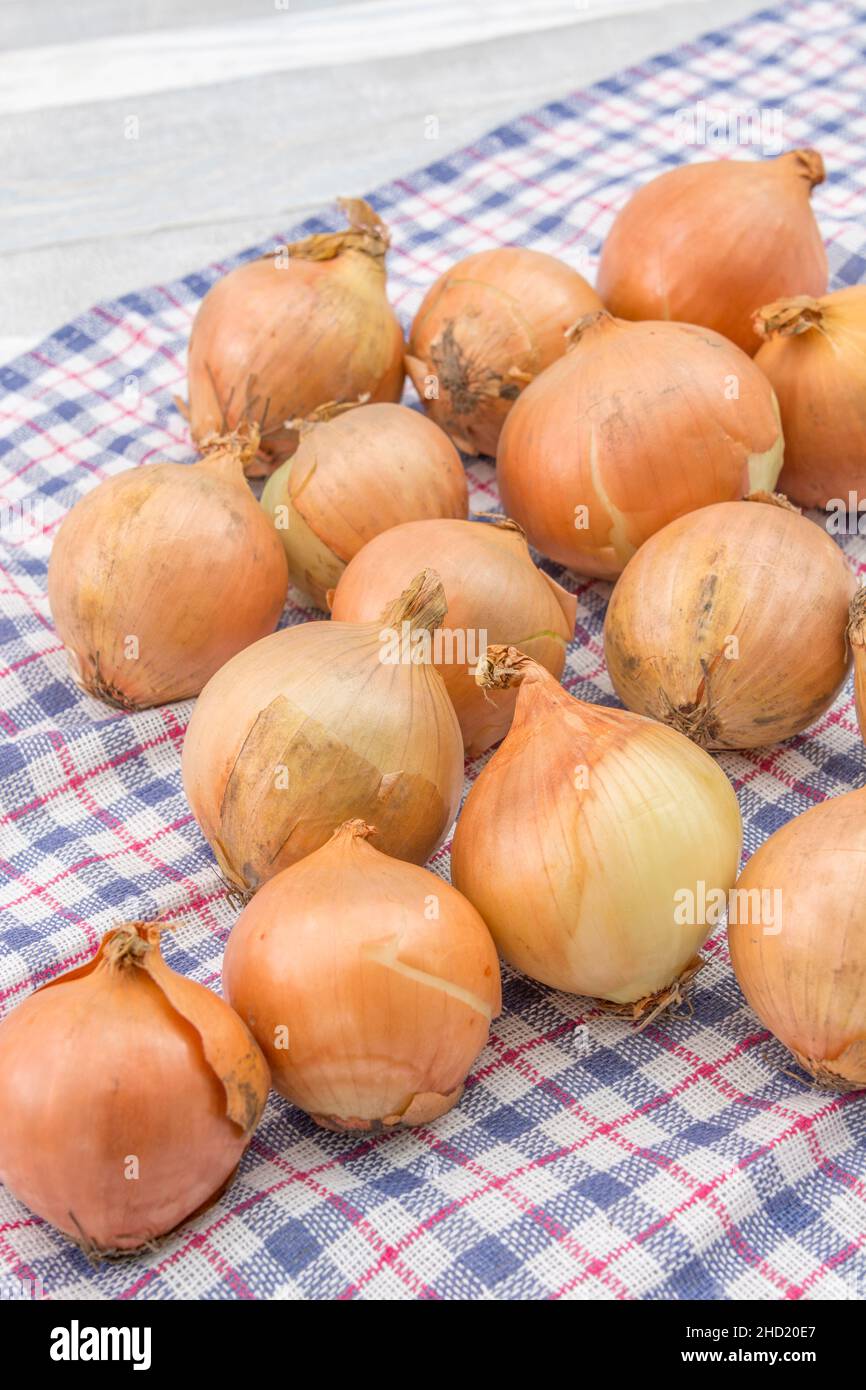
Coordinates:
<point>309,323</point>
<point>730,623</point>
<point>637,424</point>
<point>128,1096</point>
<point>591,841</point>
<point>162,573</point>
<point>369,983</point>
<point>815,357</point>
<point>487,327</point>
<point>797,935</point>
<point>353,476</point>
<point>494,594</point>
<point>321,723</point>
<point>857,642</point>
<point>707,243</point>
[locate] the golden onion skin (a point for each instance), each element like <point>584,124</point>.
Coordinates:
<point>801,959</point>
<point>730,625</point>
<point>636,425</point>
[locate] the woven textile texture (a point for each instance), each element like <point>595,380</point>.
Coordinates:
<point>586,1160</point>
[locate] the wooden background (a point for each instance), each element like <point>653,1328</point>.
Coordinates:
<point>141,140</point>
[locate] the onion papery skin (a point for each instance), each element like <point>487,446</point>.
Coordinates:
<point>730,625</point>
<point>280,335</point>
<point>857,642</point>
<point>814,354</point>
<point>709,243</point>
<point>573,843</point>
<point>495,594</point>
<point>636,425</point>
<point>160,575</point>
<point>110,1063</point>
<point>353,477</point>
<point>309,728</point>
<point>484,329</point>
<point>382,977</point>
<point>802,963</point>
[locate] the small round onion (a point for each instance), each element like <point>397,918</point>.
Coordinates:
<point>128,1093</point>
<point>354,476</point>
<point>369,983</point>
<point>637,424</point>
<point>494,594</point>
<point>730,624</point>
<point>797,935</point>
<point>709,242</point>
<point>487,327</point>
<point>814,354</point>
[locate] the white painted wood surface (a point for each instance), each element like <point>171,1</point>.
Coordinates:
<point>249,117</point>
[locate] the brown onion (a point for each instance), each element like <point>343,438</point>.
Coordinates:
<point>353,476</point>
<point>814,354</point>
<point>583,838</point>
<point>370,984</point>
<point>797,935</point>
<point>309,323</point>
<point>729,624</point>
<point>128,1093</point>
<point>707,243</point>
<point>321,723</point>
<point>162,573</point>
<point>484,329</point>
<point>494,594</point>
<point>637,424</point>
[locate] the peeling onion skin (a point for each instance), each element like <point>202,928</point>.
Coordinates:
<point>807,981</point>
<point>576,875</point>
<point>311,727</point>
<point>637,425</point>
<point>492,587</point>
<point>354,477</point>
<point>708,243</point>
<point>484,329</point>
<point>272,342</point>
<point>756,572</point>
<point>178,557</point>
<point>369,1008</point>
<point>814,354</point>
<point>113,1062</point>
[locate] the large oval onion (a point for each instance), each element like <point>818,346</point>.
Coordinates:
<point>128,1096</point>
<point>353,476</point>
<point>369,982</point>
<point>708,243</point>
<point>277,337</point>
<point>730,623</point>
<point>321,723</point>
<point>162,573</point>
<point>494,594</point>
<point>587,842</point>
<point>815,357</point>
<point>484,329</point>
<point>797,935</point>
<point>637,424</point>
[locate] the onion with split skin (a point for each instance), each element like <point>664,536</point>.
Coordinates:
<point>494,593</point>
<point>162,573</point>
<point>357,472</point>
<point>583,838</point>
<point>814,354</point>
<point>730,623</point>
<point>798,944</point>
<point>485,329</point>
<point>321,723</point>
<point>280,335</point>
<point>635,425</point>
<point>370,984</point>
<point>708,243</point>
<point>129,1095</point>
